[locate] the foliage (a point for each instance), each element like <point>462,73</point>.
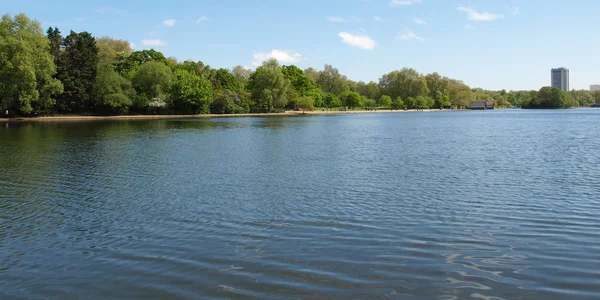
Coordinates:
<point>331,100</point>
<point>403,83</point>
<point>26,67</point>
<point>411,103</point>
<point>241,74</point>
<point>305,103</point>
<point>385,101</point>
<point>109,48</point>
<point>350,99</point>
<point>228,102</point>
<point>268,86</point>
<point>153,82</point>
<point>191,93</point>
<point>128,64</point>
<point>79,63</point>
<point>113,93</point>
<point>223,80</point>
<point>331,81</point>
<point>398,103</point>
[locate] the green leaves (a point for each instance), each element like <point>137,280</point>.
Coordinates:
<point>191,93</point>
<point>26,67</point>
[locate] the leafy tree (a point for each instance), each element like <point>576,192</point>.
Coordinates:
<point>411,102</point>
<point>404,83</point>
<point>423,102</point>
<point>351,99</point>
<point>191,93</point>
<point>268,86</point>
<point>551,97</point>
<point>109,48</point>
<point>26,66</point>
<point>583,97</point>
<point>369,90</point>
<point>312,74</point>
<point>298,80</point>
<point>152,82</point>
<point>331,100</point>
<point>223,80</point>
<point>437,85</point>
<point>385,101</point>
<point>398,103</point>
<point>442,101</point>
<point>128,64</point>
<point>80,63</point>
<point>305,103</point>
<point>113,93</point>
<point>241,74</point>
<point>370,103</point>
<point>331,81</point>
<point>228,102</point>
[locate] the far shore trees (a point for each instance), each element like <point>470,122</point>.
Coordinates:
<point>83,74</point>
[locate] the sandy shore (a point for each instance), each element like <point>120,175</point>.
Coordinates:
<point>160,117</point>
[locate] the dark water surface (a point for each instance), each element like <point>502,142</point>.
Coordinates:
<point>441,205</point>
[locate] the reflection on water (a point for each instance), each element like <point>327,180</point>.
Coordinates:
<point>488,205</point>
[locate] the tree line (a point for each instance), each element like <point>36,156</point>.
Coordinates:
<point>48,73</point>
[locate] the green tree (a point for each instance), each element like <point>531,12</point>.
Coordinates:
<point>26,66</point>
<point>113,93</point>
<point>228,102</point>
<point>298,80</point>
<point>331,100</point>
<point>350,99</point>
<point>305,103</point>
<point>369,103</point>
<point>269,86</point>
<point>385,101</point>
<point>223,80</point>
<point>331,81</point>
<point>551,97</point>
<point>241,74</point>
<point>128,64</point>
<point>398,103</point>
<point>369,90</point>
<point>152,82</point>
<point>404,83</point>
<point>583,97</point>
<point>80,59</point>
<point>411,102</point>
<point>437,85</point>
<point>109,48</point>
<point>191,93</point>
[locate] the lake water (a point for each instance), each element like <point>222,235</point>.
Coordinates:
<point>438,205</point>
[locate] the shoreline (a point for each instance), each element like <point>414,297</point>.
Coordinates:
<point>202,116</point>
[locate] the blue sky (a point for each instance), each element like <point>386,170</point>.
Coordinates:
<point>492,44</point>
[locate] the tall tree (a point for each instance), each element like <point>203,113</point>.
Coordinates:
<point>403,83</point>
<point>113,94</point>
<point>223,80</point>
<point>331,81</point>
<point>191,93</point>
<point>128,64</point>
<point>109,48</point>
<point>152,82</point>
<point>241,74</point>
<point>269,86</point>
<point>80,61</point>
<point>26,66</point>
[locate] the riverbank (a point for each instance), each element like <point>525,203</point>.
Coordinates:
<point>204,116</point>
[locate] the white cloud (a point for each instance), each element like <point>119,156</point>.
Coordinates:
<point>468,26</point>
<point>404,2</point>
<point>156,43</point>
<point>377,19</point>
<point>282,56</point>
<point>515,11</point>
<point>202,19</point>
<point>169,23</point>
<point>419,21</point>
<point>362,41</point>
<point>479,16</point>
<point>409,35</point>
<point>336,19</point>
<point>132,45</point>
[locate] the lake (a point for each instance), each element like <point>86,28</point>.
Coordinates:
<point>432,205</point>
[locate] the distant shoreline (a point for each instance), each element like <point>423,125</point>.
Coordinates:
<point>202,116</point>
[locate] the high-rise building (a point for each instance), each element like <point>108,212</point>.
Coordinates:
<point>560,78</point>
<point>595,87</point>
